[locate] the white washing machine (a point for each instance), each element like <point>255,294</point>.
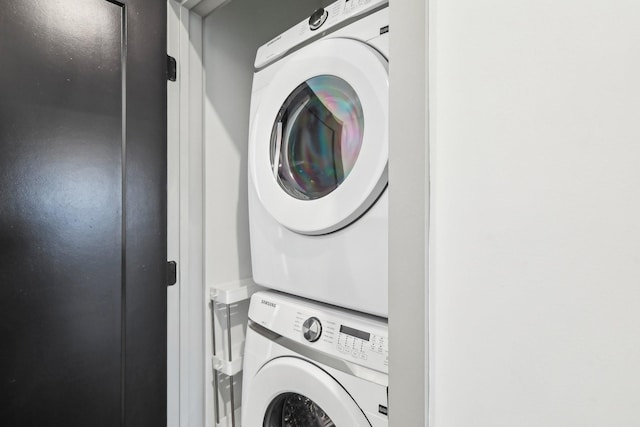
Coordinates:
<point>310,364</point>
<point>318,152</point>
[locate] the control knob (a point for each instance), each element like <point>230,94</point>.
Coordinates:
<point>317,18</point>
<point>312,329</point>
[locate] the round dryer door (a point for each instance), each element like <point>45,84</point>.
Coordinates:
<point>290,392</point>
<point>319,147</point>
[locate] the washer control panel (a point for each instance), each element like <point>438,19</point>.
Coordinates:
<point>360,344</point>
<point>346,334</point>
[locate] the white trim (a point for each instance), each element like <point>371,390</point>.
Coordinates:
<point>185,363</point>
<point>201,7</point>
<point>191,218</point>
<point>173,220</point>
<point>409,214</point>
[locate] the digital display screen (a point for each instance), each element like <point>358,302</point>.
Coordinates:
<point>355,333</point>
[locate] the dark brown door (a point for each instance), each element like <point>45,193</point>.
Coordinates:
<point>83,213</point>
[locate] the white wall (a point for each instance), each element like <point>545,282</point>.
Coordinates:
<point>232,34</point>
<point>535,244</point>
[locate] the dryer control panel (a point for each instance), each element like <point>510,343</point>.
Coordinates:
<point>320,22</point>
<point>349,335</point>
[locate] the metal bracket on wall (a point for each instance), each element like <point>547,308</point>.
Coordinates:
<point>224,364</point>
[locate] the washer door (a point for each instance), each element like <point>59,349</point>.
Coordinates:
<point>319,147</point>
<point>290,392</point>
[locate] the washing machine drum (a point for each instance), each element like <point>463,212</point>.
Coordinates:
<point>290,392</point>
<point>319,140</point>
<point>296,410</point>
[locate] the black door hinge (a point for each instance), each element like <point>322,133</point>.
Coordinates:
<point>172,273</point>
<point>172,68</point>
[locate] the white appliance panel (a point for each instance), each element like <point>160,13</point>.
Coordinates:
<point>347,267</point>
<point>279,361</point>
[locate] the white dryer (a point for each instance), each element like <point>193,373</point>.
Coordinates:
<point>309,364</point>
<point>318,152</point>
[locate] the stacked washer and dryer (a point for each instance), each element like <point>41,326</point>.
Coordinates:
<point>316,351</point>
